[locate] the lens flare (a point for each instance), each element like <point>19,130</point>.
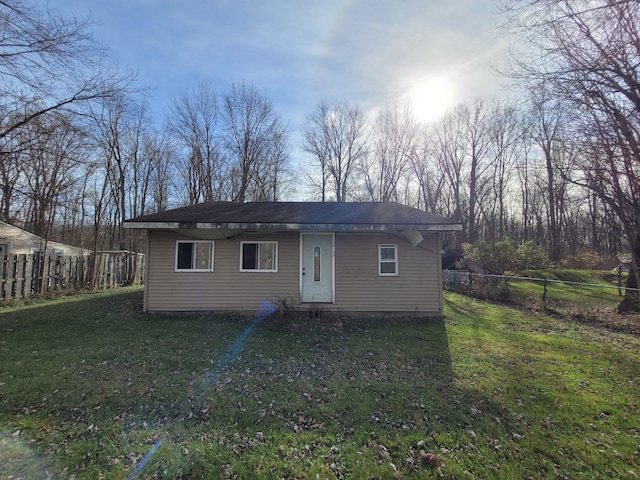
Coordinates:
<point>213,377</point>
<point>145,460</point>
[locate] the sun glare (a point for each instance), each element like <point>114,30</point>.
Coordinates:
<point>431,98</point>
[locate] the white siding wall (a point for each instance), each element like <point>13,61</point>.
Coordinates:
<point>21,242</point>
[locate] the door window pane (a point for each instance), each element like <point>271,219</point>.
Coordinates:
<point>316,264</point>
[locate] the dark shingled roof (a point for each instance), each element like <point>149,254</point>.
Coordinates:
<point>294,215</point>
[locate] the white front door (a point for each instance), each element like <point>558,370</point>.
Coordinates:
<point>317,268</point>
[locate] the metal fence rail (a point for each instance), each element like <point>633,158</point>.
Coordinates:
<point>461,276</point>
<point>475,284</point>
<point>553,280</point>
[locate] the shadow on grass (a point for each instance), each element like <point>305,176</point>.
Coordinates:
<point>92,384</point>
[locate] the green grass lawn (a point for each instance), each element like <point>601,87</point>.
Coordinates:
<point>89,384</point>
<point>597,293</point>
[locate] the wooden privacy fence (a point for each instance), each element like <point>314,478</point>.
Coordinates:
<point>25,275</point>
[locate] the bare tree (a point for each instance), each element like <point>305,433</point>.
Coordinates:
<point>123,134</point>
<point>229,146</point>
<point>51,73</point>
<point>429,177</point>
<point>524,172</point>
<point>195,124</point>
<point>275,178</point>
<point>157,149</point>
<point>587,52</point>
<point>335,135</point>
<point>448,150</point>
<point>395,140</point>
<point>51,168</point>
<point>255,139</point>
<point>49,63</point>
<point>506,145</point>
<point>143,148</point>
<point>476,120</point>
<point>547,128</point>
<point>112,126</point>
<point>10,175</point>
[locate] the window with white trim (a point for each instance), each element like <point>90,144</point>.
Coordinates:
<point>388,260</point>
<point>194,256</point>
<point>259,256</point>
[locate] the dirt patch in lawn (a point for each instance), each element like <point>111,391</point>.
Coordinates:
<point>609,320</point>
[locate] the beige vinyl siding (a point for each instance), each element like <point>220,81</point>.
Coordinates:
<point>226,288</point>
<point>359,288</point>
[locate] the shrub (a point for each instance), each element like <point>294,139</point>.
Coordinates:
<point>505,254</point>
<point>495,257</point>
<point>492,290</point>
<point>531,256</point>
<point>589,260</point>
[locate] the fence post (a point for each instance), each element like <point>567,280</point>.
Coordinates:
<point>544,295</point>
<point>619,280</point>
<point>3,277</point>
<point>56,274</point>
<point>51,272</point>
<point>28,273</point>
<point>20,275</point>
<point>12,265</point>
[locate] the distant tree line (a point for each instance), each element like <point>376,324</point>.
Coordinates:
<point>81,152</point>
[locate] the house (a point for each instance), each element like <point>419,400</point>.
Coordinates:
<point>16,241</point>
<point>349,258</point>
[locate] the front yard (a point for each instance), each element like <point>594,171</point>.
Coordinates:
<point>89,385</point>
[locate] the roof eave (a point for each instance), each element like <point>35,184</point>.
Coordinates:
<point>316,227</point>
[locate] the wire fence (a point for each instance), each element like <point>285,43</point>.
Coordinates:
<point>550,292</point>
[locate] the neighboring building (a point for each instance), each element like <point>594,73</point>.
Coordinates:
<point>349,258</point>
<point>16,241</point>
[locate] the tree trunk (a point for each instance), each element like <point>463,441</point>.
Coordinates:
<point>631,301</point>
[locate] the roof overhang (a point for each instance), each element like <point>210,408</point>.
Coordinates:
<point>294,227</point>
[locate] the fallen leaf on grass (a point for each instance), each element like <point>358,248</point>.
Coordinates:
<point>385,453</point>
<point>397,473</point>
<point>429,458</point>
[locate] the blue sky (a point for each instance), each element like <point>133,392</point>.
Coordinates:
<point>369,52</point>
<point>299,52</point>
